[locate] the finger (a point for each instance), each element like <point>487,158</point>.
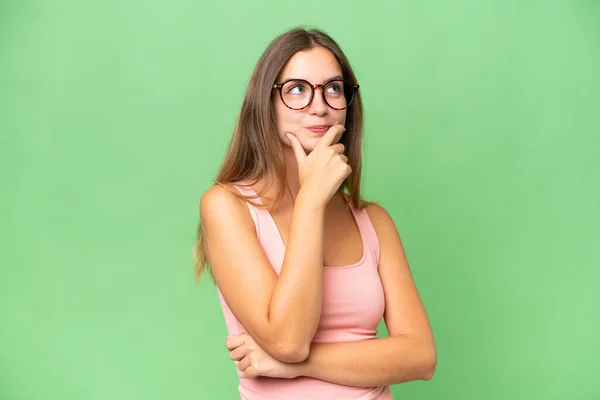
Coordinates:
<point>297,147</point>
<point>344,158</point>
<point>339,148</point>
<point>244,364</point>
<point>251,372</point>
<point>238,353</point>
<point>235,341</point>
<point>333,135</point>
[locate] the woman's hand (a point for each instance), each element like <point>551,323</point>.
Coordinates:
<point>325,168</point>
<point>253,361</point>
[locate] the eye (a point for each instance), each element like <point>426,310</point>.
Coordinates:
<point>334,88</point>
<point>296,89</point>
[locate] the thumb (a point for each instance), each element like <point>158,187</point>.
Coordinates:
<point>297,147</point>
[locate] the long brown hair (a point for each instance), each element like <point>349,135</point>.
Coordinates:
<point>255,151</point>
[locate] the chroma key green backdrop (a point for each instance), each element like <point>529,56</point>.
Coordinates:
<point>482,139</point>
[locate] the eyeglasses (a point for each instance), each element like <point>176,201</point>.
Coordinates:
<point>297,94</point>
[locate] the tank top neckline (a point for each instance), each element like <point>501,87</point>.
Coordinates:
<point>361,232</point>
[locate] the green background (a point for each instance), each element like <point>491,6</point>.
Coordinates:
<point>482,124</point>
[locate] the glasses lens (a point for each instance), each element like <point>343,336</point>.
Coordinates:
<point>296,94</point>
<point>339,94</point>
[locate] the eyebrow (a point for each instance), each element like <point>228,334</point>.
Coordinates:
<point>327,80</point>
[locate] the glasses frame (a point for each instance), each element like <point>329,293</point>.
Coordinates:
<point>314,87</point>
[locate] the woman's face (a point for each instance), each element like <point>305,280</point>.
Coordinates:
<point>317,66</point>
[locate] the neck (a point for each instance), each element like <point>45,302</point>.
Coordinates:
<point>292,185</point>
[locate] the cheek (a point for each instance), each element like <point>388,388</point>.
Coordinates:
<point>287,120</point>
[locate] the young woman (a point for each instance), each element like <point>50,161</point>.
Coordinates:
<point>305,269</point>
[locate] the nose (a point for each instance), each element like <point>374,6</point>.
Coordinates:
<point>318,106</point>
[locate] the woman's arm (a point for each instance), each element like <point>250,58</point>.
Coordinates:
<point>367,363</point>
<point>281,314</point>
<point>408,354</point>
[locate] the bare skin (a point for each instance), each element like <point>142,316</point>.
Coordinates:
<point>281,314</point>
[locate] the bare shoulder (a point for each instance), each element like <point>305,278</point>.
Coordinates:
<point>220,203</point>
<point>216,196</point>
<point>380,218</point>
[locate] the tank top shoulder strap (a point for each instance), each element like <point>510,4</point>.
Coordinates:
<point>367,230</point>
<point>248,192</point>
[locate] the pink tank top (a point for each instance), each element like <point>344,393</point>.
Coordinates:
<point>353,305</point>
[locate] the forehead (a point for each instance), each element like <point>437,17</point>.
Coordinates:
<point>315,65</point>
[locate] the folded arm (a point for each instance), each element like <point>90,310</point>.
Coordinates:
<point>280,313</point>
<point>408,354</point>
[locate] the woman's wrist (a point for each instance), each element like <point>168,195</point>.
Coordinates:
<point>295,370</point>
<point>307,198</point>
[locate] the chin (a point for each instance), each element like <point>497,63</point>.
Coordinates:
<point>309,143</point>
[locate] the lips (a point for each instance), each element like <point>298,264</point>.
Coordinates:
<point>319,129</point>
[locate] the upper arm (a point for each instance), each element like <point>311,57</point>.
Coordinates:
<point>404,310</point>
<point>237,261</point>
